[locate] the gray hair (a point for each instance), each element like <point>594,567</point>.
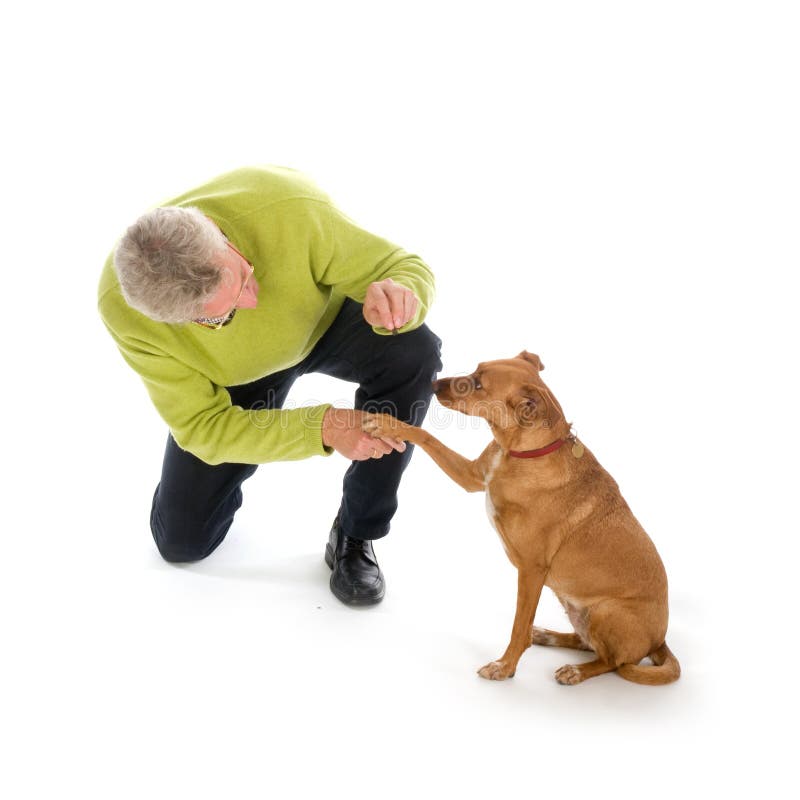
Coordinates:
<point>167,263</point>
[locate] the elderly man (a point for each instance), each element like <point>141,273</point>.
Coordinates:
<point>219,300</point>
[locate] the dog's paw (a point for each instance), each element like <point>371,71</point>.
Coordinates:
<point>569,675</point>
<point>496,671</point>
<point>384,425</point>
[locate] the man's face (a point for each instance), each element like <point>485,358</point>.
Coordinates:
<point>236,279</point>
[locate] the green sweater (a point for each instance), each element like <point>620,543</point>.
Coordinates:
<point>308,257</point>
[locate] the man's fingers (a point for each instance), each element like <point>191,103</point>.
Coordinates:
<point>407,301</point>
<point>382,306</point>
<point>371,448</point>
<point>378,447</point>
<point>381,446</point>
<point>354,434</point>
<point>398,296</point>
<point>394,314</point>
<point>389,304</point>
<point>404,306</point>
<point>394,444</point>
<point>398,308</point>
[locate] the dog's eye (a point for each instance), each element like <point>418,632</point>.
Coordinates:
<point>476,384</point>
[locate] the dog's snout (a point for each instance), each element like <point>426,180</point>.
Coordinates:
<point>439,385</point>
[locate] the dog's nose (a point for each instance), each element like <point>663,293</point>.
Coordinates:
<point>438,386</point>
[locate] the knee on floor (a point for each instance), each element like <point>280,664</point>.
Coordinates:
<point>175,554</point>
<point>180,543</point>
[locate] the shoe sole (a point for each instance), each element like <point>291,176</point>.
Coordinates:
<point>347,599</point>
<point>328,555</point>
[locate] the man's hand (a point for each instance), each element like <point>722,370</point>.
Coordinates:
<point>389,304</point>
<point>380,426</point>
<point>341,430</point>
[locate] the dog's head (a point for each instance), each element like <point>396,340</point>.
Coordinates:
<point>507,393</point>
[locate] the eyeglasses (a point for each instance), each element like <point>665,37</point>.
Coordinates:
<point>219,322</point>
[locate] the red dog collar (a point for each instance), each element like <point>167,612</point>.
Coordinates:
<point>542,451</point>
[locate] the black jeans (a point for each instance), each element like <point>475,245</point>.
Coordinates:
<point>194,504</point>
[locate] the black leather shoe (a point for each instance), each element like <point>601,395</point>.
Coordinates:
<point>357,579</point>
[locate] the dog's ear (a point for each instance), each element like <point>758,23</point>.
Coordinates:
<point>533,405</point>
<point>530,394</point>
<point>532,358</point>
<point>528,404</point>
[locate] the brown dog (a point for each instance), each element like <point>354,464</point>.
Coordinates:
<point>563,524</point>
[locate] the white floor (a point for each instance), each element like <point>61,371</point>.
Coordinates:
<point>612,186</point>
<point>131,677</point>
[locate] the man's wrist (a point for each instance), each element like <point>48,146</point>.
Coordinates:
<point>313,423</point>
<point>325,428</point>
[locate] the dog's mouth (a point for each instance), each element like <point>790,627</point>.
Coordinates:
<point>443,398</point>
<point>444,390</point>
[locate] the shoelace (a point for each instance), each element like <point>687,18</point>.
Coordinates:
<point>362,545</point>
<point>355,544</point>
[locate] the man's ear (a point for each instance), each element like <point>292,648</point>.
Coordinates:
<point>532,358</point>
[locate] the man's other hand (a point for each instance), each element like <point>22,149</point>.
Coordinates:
<point>389,304</point>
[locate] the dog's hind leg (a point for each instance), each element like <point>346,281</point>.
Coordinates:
<point>546,638</point>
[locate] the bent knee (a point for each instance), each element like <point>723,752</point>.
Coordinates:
<point>418,352</point>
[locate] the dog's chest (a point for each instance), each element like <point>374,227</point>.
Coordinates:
<point>491,510</point>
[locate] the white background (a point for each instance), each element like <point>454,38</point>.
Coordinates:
<point>611,185</point>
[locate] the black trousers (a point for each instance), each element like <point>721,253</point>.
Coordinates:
<point>194,503</point>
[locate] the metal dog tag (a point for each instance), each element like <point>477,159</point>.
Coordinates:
<point>577,449</point>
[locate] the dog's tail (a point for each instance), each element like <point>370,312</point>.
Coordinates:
<point>666,669</point>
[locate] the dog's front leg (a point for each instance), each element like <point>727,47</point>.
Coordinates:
<point>467,474</point>
<point>529,588</point>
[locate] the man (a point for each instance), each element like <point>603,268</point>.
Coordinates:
<point>219,300</point>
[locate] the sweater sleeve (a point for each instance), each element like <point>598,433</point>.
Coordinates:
<point>358,258</point>
<point>203,420</point>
